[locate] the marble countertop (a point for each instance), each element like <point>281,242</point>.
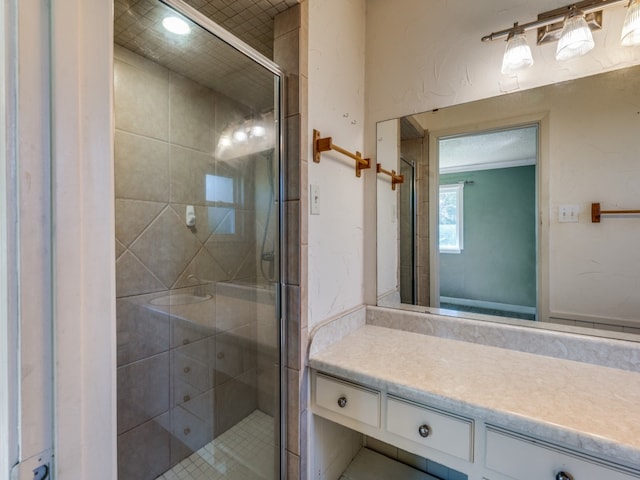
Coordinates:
<point>588,407</point>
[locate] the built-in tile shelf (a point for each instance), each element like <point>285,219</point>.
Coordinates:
<point>491,413</point>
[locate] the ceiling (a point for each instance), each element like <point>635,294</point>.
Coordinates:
<point>487,150</point>
<point>249,20</point>
<point>201,56</point>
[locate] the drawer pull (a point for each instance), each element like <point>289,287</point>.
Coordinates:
<point>564,476</point>
<point>424,431</point>
<point>342,402</point>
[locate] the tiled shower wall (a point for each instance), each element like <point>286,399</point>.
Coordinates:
<point>417,150</point>
<point>186,373</point>
<point>290,52</point>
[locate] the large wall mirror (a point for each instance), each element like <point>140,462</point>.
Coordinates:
<point>493,218</point>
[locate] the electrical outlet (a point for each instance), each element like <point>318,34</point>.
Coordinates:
<point>568,213</point>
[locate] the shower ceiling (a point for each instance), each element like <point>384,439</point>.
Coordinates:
<point>138,27</point>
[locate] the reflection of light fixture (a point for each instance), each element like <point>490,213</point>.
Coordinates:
<point>575,39</point>
<point>517,55</point>
<point>631,28</point>
<point>247,136</point>
<point>240,136</point>
<point>576,22</point>
<point>258,131</point>
<point>176,25</point>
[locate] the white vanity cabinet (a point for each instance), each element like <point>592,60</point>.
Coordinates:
<point>479,450</point>
<point>351,402</point>
<point>430,429</point>
<point>420,429</point>
<point>510,456</point>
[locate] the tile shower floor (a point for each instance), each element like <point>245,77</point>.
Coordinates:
<point>244,452</point>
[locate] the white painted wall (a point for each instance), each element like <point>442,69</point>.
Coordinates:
<point>83,239</point>
<point>336,270</point>
<point>336,109</point>
<point>30,300</point>
<point>388,239</point>
<point>425,55</point>
<point>64,250</point>
<point>8,325</point>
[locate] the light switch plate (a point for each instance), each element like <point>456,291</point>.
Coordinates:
<point>314,199</point>
<point>568,213</point>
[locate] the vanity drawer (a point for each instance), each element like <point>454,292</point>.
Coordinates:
<point>347,399</point>
<point>521,458</point>
<point>431,428</point>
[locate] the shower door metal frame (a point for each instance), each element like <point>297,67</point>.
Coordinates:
<point>413,202</point>
<point>245,49</point>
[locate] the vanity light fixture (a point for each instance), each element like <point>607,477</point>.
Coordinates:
<point>575,39</point>
<point>176,25</point>
<point>517,55</point>
<point>630,35</point>
<point>570,26</point>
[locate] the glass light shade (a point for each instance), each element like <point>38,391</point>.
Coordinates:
<point>630,35</point>
<point>240,136</point>
<point>575,39</point>
<point>258,131</point>
<point>517,55</point>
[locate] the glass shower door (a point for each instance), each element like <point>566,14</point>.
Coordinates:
<point>197,250</point>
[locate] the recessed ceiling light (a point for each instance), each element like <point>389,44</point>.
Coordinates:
<point>176,25</point>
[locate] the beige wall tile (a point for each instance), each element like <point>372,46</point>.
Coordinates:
<point>286,51</point>
<point>120,249</point>
<point>230,255</point>
<point>141,332</point>
<point>189,169</point>
<point>235,400</point>
<point>192,114</point>
<point>235,352</point>
<point>286,21</point>
<point>142,99</point>
<point>203,269</point>
<point>143,391</point>
<point>144,452</point>
<point>133,216</point>
<point>141,168</point>
<point>133,278</point>
<point>166,247</point>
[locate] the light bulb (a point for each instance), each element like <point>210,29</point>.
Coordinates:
<point>225,141</point>
<point>630,35</point>
<point>517,55</point>
<point>258,131</point>
<point>240,136</point>
<point>176,25</point>
<point>575,39</point>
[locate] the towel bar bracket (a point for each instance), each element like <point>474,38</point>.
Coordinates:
<point>325,144</point>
